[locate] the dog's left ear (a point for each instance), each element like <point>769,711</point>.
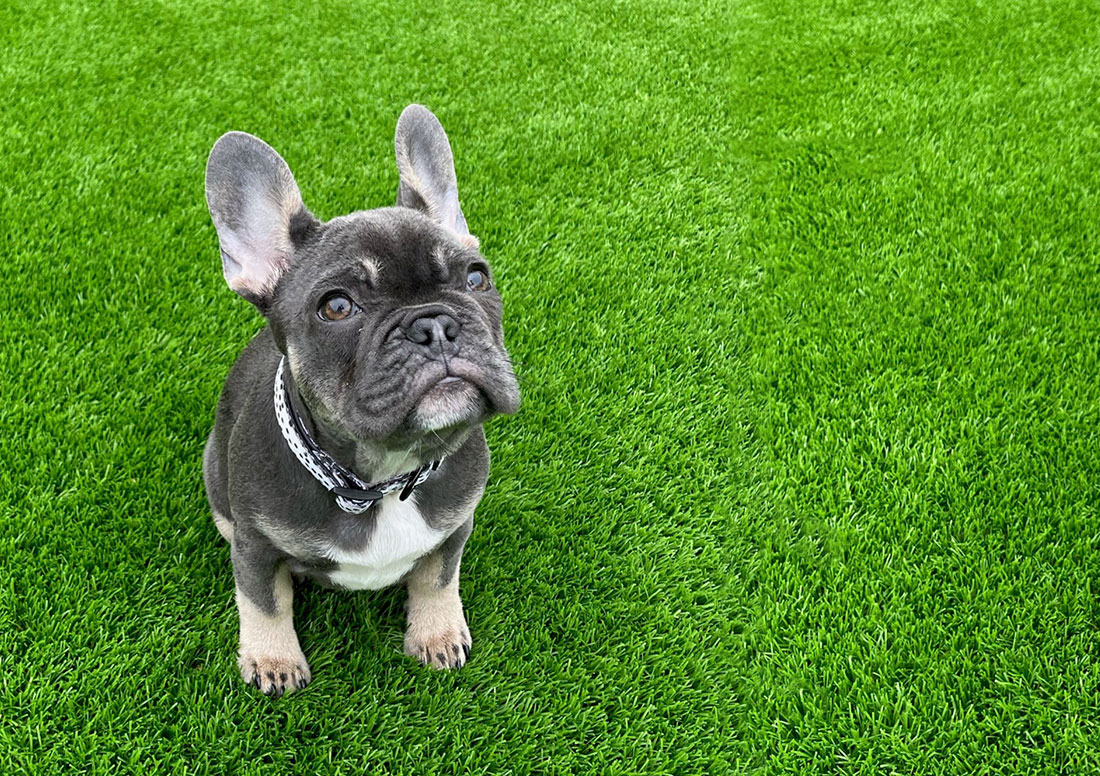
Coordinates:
<point>427,170</point>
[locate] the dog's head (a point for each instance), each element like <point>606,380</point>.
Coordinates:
<point>389,318</point>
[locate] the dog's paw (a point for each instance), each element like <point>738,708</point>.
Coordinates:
<point>446,647</point>
<point>274,675</point>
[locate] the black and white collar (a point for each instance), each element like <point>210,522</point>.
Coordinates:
<point>352,494</point>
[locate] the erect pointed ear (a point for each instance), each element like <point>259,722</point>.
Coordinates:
<point>427,170</point>
<point>256,208</point>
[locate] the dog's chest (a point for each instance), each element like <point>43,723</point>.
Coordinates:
<point>400,537</point>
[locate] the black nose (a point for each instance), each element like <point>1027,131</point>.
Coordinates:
<point>434,331</point>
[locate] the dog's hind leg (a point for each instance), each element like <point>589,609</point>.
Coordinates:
<point>215,489</point>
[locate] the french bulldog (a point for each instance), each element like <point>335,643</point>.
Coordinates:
<point>348,445</point>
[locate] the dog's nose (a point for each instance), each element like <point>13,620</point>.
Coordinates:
<point>434,331</point>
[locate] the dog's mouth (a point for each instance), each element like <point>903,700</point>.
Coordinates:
<point>440,397</point>
<point>464,392</point>
<point>451,401</point>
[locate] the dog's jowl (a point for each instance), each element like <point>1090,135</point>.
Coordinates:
<point>348,444</point>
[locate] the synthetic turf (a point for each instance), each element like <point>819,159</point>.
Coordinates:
<point>805,302</point>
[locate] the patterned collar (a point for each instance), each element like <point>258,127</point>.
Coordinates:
<point>352,494</point>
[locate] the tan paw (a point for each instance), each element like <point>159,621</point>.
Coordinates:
<point>275,675</point>
<point>448,647</point>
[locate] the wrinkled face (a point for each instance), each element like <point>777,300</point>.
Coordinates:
<point>389,318</point>
<point>392,328</point>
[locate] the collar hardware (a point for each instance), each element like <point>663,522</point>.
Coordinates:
<point>357,494</point>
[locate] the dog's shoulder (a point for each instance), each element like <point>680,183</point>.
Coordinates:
<point>245,430</point>
<point>254,367</point>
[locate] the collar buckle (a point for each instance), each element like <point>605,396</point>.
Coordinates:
<point>357,494</point>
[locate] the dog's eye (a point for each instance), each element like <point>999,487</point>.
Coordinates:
<point>336,307</point>
<point>478,280</point>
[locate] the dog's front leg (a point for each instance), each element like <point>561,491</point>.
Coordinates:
<point>270,657</point>
<point>436,633</point>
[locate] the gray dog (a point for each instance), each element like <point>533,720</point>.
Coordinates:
<point>348,444</point>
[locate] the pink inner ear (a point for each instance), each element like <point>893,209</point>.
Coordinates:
<point>469,241</point>
<point>252,283</point>
<point>255,264</point>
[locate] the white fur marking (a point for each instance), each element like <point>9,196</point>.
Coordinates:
<point>401,536</point>
<point>439,258</point>
<point>371,266</point>
<point>392,463</point>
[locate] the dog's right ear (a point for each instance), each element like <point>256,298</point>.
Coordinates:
<point>258,212</point>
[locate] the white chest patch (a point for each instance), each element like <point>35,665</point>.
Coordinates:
<point>401,536</point>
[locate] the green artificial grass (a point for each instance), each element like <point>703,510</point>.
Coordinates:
<point>805,302</point>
